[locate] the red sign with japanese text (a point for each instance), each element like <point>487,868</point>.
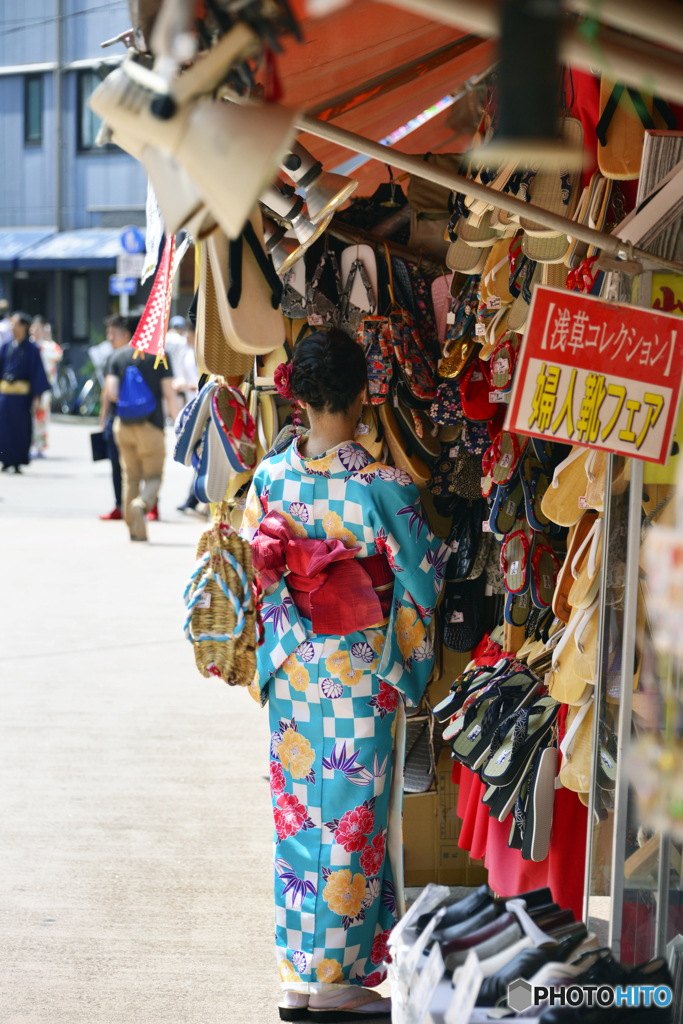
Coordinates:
<point>599,374</point>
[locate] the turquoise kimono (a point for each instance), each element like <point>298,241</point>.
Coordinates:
<point>334,704</point>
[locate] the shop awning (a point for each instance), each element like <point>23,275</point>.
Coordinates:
<point>86,249</point>
<point>14,241</point>
<point>370,68</point>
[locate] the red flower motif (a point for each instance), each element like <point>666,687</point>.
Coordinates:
<point>353,827</point>
<point>387,697</point>
<point>265,493</point>
<point>381,541</point>
<point>380,948</point>
<point>392,562</point>
<point>282,375</point>
<point>372,856</point>
<point>374,979</point>
<point>289,815</point>
<point>277,777</point>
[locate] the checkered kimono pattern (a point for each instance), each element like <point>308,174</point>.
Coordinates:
<point>333,704</point>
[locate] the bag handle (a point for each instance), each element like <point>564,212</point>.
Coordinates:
<point>393,305</point>
<point>264,262</point>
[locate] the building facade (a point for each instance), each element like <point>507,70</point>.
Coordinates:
<point>63,199</point>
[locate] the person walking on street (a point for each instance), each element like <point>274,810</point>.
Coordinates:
<point>5,325</point>
<point>22,382</point>
<point>51,354</point>
<point>187,383</point>
<point>175,344</point>
<point>137,386</point>
<point>118,336</point>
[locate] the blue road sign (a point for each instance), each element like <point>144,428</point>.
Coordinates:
<point>132,240</point>
<point>120,285</point>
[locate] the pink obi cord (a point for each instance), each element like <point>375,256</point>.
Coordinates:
<point>328,583</point>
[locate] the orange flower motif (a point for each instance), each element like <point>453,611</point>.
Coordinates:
<point>321,465</point>
<point>345,893</point>
<point>328,971</point>
<point>339,664</point>
<point>287,972</point>
<point>409,631</point>
<point>299,678</point>
<point>253,510</point>
<point>296,754</point>
<point>350,676</point>
<point>254,688</point>
<point>334,527</point>
<point>289,664</point>
<point>298,528</point>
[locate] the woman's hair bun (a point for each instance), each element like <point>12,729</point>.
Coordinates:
<point>328,371</point>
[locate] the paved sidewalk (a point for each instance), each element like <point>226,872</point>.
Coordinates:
<point>136,831</point>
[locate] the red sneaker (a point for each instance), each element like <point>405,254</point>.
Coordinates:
<point>116,514</point>
<point>153,514</point>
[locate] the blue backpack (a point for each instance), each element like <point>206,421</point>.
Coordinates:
<point>136,400</point>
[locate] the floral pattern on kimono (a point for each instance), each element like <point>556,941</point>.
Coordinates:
<point>333,704</point>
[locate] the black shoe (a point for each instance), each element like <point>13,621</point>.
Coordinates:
<point>458,912</point>
<point>608,972</point>
<point>525,965</point>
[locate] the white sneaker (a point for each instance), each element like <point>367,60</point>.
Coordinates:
<point>138,524</point>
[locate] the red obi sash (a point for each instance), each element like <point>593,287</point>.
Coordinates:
<point>328,584</point>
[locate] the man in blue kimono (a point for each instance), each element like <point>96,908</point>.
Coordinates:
<point>22,382</point>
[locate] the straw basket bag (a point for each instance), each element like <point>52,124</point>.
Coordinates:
<point>221,618</point>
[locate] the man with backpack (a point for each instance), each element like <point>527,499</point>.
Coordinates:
<point>138,388</point>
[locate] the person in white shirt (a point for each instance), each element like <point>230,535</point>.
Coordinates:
<point>176,343</point>
<point>5,325</point>
<point>186,383</point>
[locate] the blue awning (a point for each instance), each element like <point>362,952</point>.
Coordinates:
<point>13,241</point>
<point>86,249</point>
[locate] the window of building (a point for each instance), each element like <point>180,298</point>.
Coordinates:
<point>88,121</point>
<point>79,306</point>
<point>33,110</point>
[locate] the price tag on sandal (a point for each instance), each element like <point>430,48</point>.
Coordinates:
<point>315,320</point>
<point>450,318</point>
<point>479,329</point>
<point>493,302</point>
<point>501,365</point>
<point>466,991</point>
<point>204,601</point>
<point>457,617</point>
<point>499,397</point>
<point>453,452</point>
<point>486,526</point>
<point>582,502</point>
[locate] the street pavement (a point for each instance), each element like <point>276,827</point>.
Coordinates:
<point>135,822</point>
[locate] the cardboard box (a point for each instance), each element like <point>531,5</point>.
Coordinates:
<point>431,828</point>
<point>419,838</point>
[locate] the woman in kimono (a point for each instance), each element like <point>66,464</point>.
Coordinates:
<point>351,574</point>
<point>22,382</point>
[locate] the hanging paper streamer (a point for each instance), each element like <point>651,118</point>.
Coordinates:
<point>150,336</point>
